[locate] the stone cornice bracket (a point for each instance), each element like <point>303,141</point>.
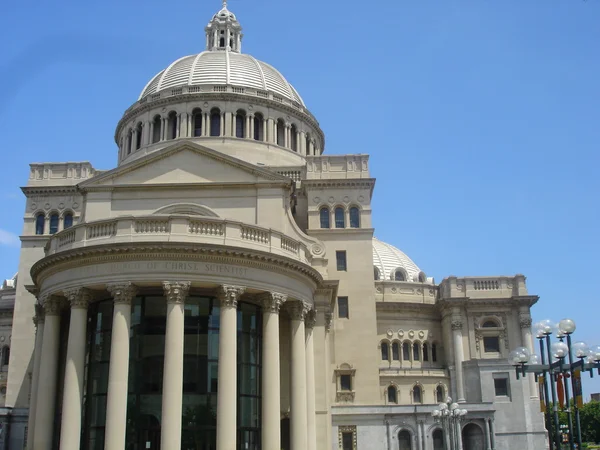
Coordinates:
<point>122,292</point>
<point>78,297</point>
<point>311,319</point>
<point>52,305</point>
<point>229,295</point>
<point>176,291</point>
<point>272,301</point>
<point>299,310</point>
<point>525,320</point>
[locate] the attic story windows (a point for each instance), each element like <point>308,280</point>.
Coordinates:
<point>68,221</point>
<point>354,217</point>
<point>324,217</point>
<point>40,224</point>
<point>340,221</point>
<point>54,223</point>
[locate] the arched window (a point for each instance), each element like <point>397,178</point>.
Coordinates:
<point>404,440</point>
<point>425,352</point>
<point>392,394</point>
<point>307,144</point>
<point>406,351</point>
<point>433,352</point>
<point>416,352</point>
<point>294,138</point>
<point>197,122</point>
<point>396,351</point>
<point>138,137</point>
<point>259,124</point>
<point>172,125</point>
<point>129,141</point>
<point>422,277</point>
<point>385,351</point>
<point>54,223</point>
<point>339,217</point>
<point>68,221</point>
<point>417,394</point>
<point>240,124</point>
<point>222,42</point>
<point>489,324</point>
<point>439,394</point>
<point>40,224</point>
<point>438,440</point>
<point>324,215</point>
<point>281,133</point>
<point>399,275</point>
<point>5,356</point>
<point>375,273</point>
<point>215,122</point>
<point>354,217</point>
<point>156,131</point>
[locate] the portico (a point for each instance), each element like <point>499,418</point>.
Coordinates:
<point>207,324</point>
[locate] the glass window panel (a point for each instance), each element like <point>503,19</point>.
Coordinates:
<point>54,223</point>
<point>425,352</point>
<point>346,382</point>
<point>396,351</point>
<point>98,410</point>
<point>385,352</point>
<point>343,309</point>
<point>406,351</point>
<point>68,221</point>
<point>340,257</point>
<point>416,353</point>
<point>340,221</point>
<point>491,344</point>
<point>40,222</point>
<point>501,387</point>
<point>348,441</point>
<point>354,217</point>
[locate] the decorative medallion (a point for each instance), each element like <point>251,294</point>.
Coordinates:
<point>206,104</point>
<point>2,339</point>
<point>401,333</point>
<point>378,290</point>
<point>394,290</point>
<point>61,206</point>
<point>250,107</point>
<point>346,199</point>
<point>75,205</point>
<point>316,249</point>
<point>431,292</point>
<point>331,199</point>
<point>421,334</point>
<point>411,334</point>
<point>33,206</point>
<point>390,333</point>
<point>47,206</point>
<point>317,199</point>
<point>361,199</point>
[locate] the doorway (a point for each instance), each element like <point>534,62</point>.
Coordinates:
<point>473,438</point>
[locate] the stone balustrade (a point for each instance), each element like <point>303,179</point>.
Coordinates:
<point>181,229</point>
<point>483,287</point>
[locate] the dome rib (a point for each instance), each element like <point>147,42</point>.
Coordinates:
<point>193,70</point>
<point>166,71</point>
<point>259,68</point>
<point>388,258</point>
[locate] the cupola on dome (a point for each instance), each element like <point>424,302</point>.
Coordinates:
<point>222,65</point>
<point>391,263</point>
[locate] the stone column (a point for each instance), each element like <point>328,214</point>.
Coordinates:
<point>271,396</point>
<point>311,421</point>
<point>286,135</point>
<point>265,127</point>
<point>222,125</point>
<point>205,125</point>
<point>70,433</point>
<point>311,147</point>
<point>419,436</point>
<point>268,130</point>
<point>118,373</point>
<point>525,323</point>
<point>164,124</point>
<point>227,395</point>
<point>459,435</point>
<point>302,143</point>
<point>46,401</point>
<point>251,126</point>
<point>488,437</point>
<point>38,321</point>
<point>172,398</point>
<point>247,126</point>
<point>298,377</point>
<point>150,133</point>
<point>458,356</point>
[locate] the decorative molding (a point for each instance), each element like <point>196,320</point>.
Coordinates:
<point>52,306</point>
<point>229,295</point>
<point>456,324</point>
<point>311,319</point>
<point>271,301</point>
<point>78,297</point>
<point>122,293</point>
<point>345,396</point>
<point>176,291</point>
<point>328,321</point>
<point>39,316</point>
<point>525,320</point>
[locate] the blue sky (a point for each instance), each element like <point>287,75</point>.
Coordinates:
<point>481,117</point>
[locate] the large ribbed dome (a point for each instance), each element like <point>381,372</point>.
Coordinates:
<point>226,68</point>
<point>387,259</point>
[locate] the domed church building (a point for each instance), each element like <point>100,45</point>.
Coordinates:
<point>222,288</point>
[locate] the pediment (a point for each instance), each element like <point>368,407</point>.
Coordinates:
<point>184,163</point>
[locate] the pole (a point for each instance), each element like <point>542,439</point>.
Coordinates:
<point>569,419</point>
<point>546,396</point>
<point>554,404</point>
<point>575,407</point>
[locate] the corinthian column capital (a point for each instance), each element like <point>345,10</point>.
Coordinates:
<point>52,305</point>
<point>122,292</point>
<point>311,319</point>
<point>298,310</point>
<point>176,291</point>
<point>78,297</point>
<point>272,301</point>
<point>229,295</point>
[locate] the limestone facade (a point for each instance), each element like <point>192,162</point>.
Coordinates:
<point>222,288</point>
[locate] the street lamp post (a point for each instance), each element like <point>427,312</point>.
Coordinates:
<point>556,368</point>
<point>449,415</point>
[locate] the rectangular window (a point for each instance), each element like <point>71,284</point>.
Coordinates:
<point>501,387</point>
<point>343,312</point>
<point>340,257</point>
<point>491,344</point>
<point>347,441</point>
<point>345,382</point>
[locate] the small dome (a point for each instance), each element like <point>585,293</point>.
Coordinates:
<point>387,259</point>
<point>224,68</point>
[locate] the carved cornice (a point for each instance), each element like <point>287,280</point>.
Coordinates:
<point>298,310</point>
<point>311,319</point>
<point>78,297</point>
<point>271,301</point>
<point>355,183</point>
<point>171,251</point>
<point>176,291</point>
<point>229,295</point>
<point>122,292</point>
<point>49,191</point>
